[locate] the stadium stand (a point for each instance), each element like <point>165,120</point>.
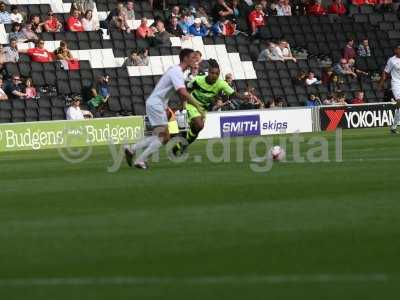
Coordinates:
<point>317,41</point>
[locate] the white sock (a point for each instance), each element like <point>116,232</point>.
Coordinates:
<point>396,118</point>
<point>153,147</point>
<point>143,143</point>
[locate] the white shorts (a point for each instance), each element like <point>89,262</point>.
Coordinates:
<point>156,114</point>
<point>396,92</point>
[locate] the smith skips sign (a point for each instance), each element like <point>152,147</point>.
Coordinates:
<point>359,116</point>
<point>60,134</point>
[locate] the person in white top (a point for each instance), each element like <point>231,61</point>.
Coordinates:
<point>88,22</point>
<point>283,8</point>
<point>173,81</point>
<point>392,69</point>
<point>74,112</point>
<point>311,79</point>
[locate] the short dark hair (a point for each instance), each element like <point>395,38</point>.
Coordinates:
<point>185,53</point>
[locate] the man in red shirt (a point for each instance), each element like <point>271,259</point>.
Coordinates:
<point>256,19</point>
<point>337,8</point>
<point>349,52</point>
<point>359,99</point>
<point>73,22</point>
<point>39,54</point>
<point>144,31</point>
<point>316,9</point>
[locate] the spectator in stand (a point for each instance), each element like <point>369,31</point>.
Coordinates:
<point>221,9</point>
<point>137,58</point>
<point>316,9</point>
<point>88,23</point>
<point>352,66</point>
<point>30,90</point>
<point>283,50</point>
<point>29,34</point>
<point>82,6</point>
<point>283,8</point>
<point>119,23</point>
<point>343,68</point>
<point>253,100</point>
<point>220,105</point>
<point>62,52</point>
<point>234,5</point>
<point>358,2</point>
<point>144,31</point>
<point>113,13</point>
<point>185,22</point>
<point>202,14</point>
<point>337,8</point>
<point>270,53</point>
<point>256,19</point>
<point>15,15</point>
<point>39,53</point>
<point>330,100</point>
<point>2,58</point>
<point>313,101</point>
<point>3,95</point>
<point>74,112</point>
<point>311,79</point>
<point>52,24</point>
<point>74,22</point>
<point>14,88</point>
<point>203,65</point>
<point>161,36</point>
<point>174,28</point>
<point>341,99</point>
<point>37,25</point>
<point>16,33</point>
<point>349,51</point>
<point>11,53</point>
<point>363,49</point>
<point>176,12</point>
<point>326,75</point>
<point>198,29</point>
<point>359,99</point>
<point>130,10</point>
<point>5,17</point>
<point>100,92</point>
<point>224,28</point>
<point>335,84</point>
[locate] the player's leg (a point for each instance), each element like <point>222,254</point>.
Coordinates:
<point>396,120</point>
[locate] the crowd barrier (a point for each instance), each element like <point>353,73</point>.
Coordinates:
<point>56,134</point>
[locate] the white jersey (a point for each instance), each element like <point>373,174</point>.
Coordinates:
<point>170,82</point>
<point>393,68</point>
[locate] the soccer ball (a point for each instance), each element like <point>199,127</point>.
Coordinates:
<point>276,153</point>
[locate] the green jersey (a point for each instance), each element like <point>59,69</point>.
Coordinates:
<point>206,93</point>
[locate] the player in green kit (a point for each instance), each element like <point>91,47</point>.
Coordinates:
<point>204,89</point>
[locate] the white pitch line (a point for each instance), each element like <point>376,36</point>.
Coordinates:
<point>267,279</point>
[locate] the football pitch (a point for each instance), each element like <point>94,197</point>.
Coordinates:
<point>204,230</point>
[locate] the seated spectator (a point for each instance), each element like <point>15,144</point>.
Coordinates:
<point>37,25</point>
<point>62,52</point>
<point>161,36</point>
<point>313,101</point>
<point>185,23</point>
<point>202,14</point>
<point>203,65</point>
<point>198,29</point>
<point>30,90</point>
<point>130,10</point>
<point>300,78</point>
<point>283,8</point>
<point>337,8</point>
<point>348,51</point>
<point>14,88</point>
<point>220,105</point>
<point>316,9</point>
<point>340,99</point>
<point>363,49</point>
<point>88,22</point>
<point>16,33</point>
<point>119,23</point>
<point>5,17</point>
<point>359,99</point>
<point>283,51</point>
<point>224,28</point>
<point>11,54</point>
<point>352,66</point>
<point>253,100</point>
<point>15,15</point>
<point>256,20</point>
<point>176,12</point>
<point>74,112</point>
<point>311,79</point>
<point>221,9</point>
<point>137,58</point>
<point>52,24</point>
<point>82,6</point>
<point>3,95</point>
<point>74,22</point>
<point>144,31</point>
<point>335,84</point>
<point>113,13</point>
<point>174,28</point>
<point>39,53</point>
<point>270,53</point>
<point>235,6</point>
<point>100,92</point>
<point>28,32</point>
<point>326,75</point>
<point>343,68</point>
<point>330,100</point>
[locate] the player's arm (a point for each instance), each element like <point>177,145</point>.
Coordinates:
<point>185,96</point>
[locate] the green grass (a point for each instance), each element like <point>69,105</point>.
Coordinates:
<point>203,230</point>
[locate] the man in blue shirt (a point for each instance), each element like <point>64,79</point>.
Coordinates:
<point>198,29</point>
<point>5,17</point>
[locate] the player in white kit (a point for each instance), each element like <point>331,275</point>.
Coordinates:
<point>156,109</point>
<point>392,69</point>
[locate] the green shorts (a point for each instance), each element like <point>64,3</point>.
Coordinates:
<point>192,112</point>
